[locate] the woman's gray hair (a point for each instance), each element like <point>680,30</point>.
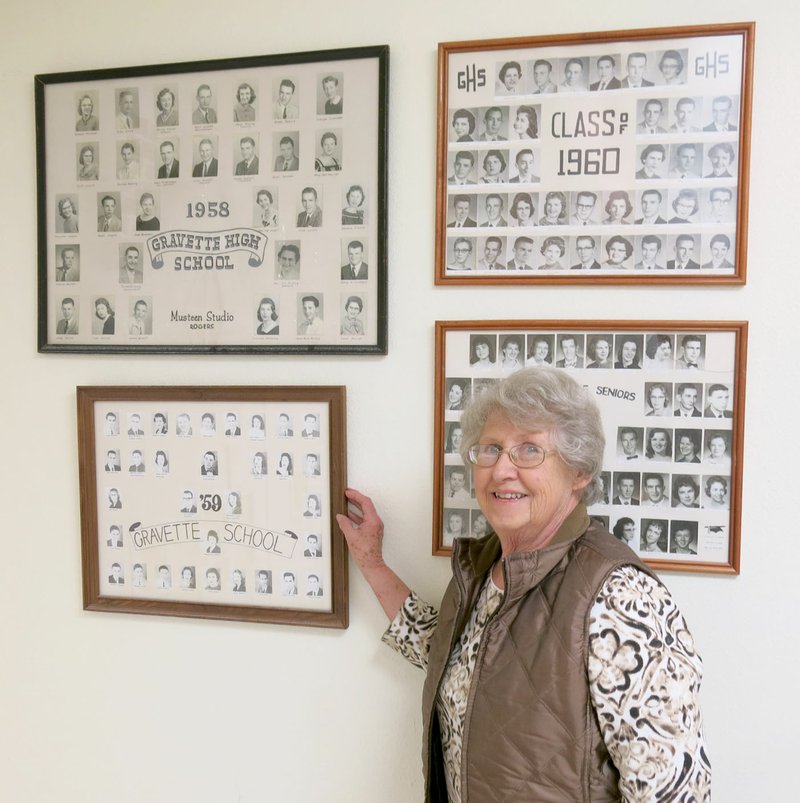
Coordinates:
<point>544,398</point>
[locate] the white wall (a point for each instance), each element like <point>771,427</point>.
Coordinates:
<point>99,707</point>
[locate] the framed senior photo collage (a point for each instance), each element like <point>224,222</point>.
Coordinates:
<point>671,396</point>
<point>214,502</point>
<point>595,158</point>
<point>235,205</point>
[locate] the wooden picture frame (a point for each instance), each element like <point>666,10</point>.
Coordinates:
<point>676,421</point>
<point>214,502</point>
<point>227,206</point>
<point>564,159</point>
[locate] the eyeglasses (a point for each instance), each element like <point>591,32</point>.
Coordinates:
<point>523,455</point>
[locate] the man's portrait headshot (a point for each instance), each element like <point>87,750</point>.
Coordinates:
<point>137,462</point>
<point>313,549</point>
<point>135,426</point>
<point>510,79</point>
<point>720,207</point>
<point>104,321</point>
<point>495,125</point>
<point>310,316</point>
<point>686,159</point>
<point>167,108</point>
<point>605,71</point>
<point>456,487</point>
<point>652,158</point>
<point>244,110</point>
<point>715,496</point>
<point>683,116</point>
<point>311,465</point>
<point>164,579</point>
<point>204,112</point>
<point>209,467</point>
<point>310,215</point>
<point>263,581</point>
<point>68,263</point>
<point>87,118</point>
<point>140,320</point>
<point>139,575</point>
<point>493,250</point>
<point>461,211</point>
<point>116,577</point>
<point>718,398</point>
<point>206,165</point>
<point>721,115</point>
<point>127,109</point>
<point>188,504</point>
<point>460,254</point>
<point>285,106</point>
<point>170,166</point>
<point>284,428</point>
<point>266,208</point>
<point>691,353</point>
<point>720,161</point>
<point>651,116</point>
<point>575,73</point>
<point>541,77</point>
<point>310,426</point>
<point>463,126</point>
<point>130,268</point>
<point>112,461</point>
<point>356,267</point>
<point>584,203</point>
<point>671,65</point>
<point>585,248</point>
<point>248,163</point>
<point>649,253</point>
<point>569,350</point>
<point>127,163</point>
<point>288,158</point>
<point>687,397</point>
<point>232,428</point>
<point>626,486</point>
<point>524,164</point>
<point>650,202</point>
<point>111,424</point>
<point>183,425</point>
<point>331,99</point>
<point>636,67</point>
<point>684,252</point>
<point>522,254</point>
<point>88,161</point>
<point>683,538</point>
<point>463,168</point>
<point>289,585</point>
<point>313,586</point>
<point>629,442</point>
<point>108,219</point>
<point>719,247</point>
<point>287,262</point>
<point>494,204</point>
<point>655,492</point>
<point>66,214</point>
<point>147,219</point>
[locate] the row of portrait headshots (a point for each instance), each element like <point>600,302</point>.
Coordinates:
<point>682,538</point>
<point>676,205</point>
<point>251,154</point>
<point>304,205</point>
<point>587,252</point>
<point>232,98</point>
<point>678,114</point>
<point>192,577</point>
<point>626,68</point>
<point>308,316</point>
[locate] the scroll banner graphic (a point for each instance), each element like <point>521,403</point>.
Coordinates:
<point>193,250</point>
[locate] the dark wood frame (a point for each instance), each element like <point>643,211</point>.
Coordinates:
<point>378,210</point>
<point>738,328</point>
<point>745,29</point>
<point>333,396</point>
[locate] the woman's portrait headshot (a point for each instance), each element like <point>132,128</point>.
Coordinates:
<point>67,220</point>
<point>208,424</point>
<point>683,540</point>
<point>146,220</point>
<point>523,210</point>
<point>457,394</point>
<point>463,126</point>
<point>525,124</point>
<point>625,531</point>
<point>479,525</point>
<point>718,445</point>
<point>716,492</point>
<point>257,431</point>
<point>628,350</point>
<point>619,251</point>
<point>658,398</point>
<point>534,444</point>
<point>267,316</point>
<point>237,581</point>
<point>313,507</point>
<point>494,167</point>
<point>233,504</point>
<point>187,577</point>
<point>103,322</point>
<point>510,80</point>
<point>452,443</point>
<point>658,444</point>
<point>660,352</point>
<point>167,106</point>
<point>329,155</point>
<point>553,250</point>
<point>599,351</point>
<point>540,351</point>
<point>685,491</point>
<point>285,467</point>
<point>114,499</point>
<point>266,211</point>
<point>162,463</point>
<point>671,65</point>
<point>482,352</point>
<point>687,446</point>
<point>352,324</point>
<point>555,209</point>
<point>87,119</point>
<point>686,205</point>
<point>243,109</point>
<point>88,161</point>
<point>511,354</point>
<point>354,210</point>
<point>618,209</point>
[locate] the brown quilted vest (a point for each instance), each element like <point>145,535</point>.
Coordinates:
<point>531,734</point>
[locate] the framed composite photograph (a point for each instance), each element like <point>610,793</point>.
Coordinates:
<point>618,157</point>
<point>214,502</point>
<point>671,395</point>
<point>229,206</point>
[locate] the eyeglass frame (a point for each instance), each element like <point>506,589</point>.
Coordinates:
<point>472,454</point>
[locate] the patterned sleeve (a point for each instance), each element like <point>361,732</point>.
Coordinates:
<point>644,679</point>
<point>410,632</point>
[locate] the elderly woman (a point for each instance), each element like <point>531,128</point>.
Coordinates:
<point>549,627</point>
